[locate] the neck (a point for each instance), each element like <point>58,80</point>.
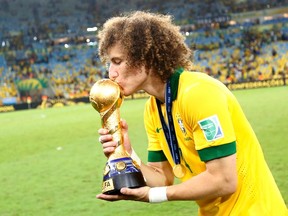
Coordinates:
<point>156,87</point>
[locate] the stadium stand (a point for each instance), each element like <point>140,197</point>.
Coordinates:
<point>50,47</point>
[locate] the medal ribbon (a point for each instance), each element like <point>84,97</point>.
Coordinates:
<point>169,129</point>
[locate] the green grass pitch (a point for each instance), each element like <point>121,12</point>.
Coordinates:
<point>51,162</point>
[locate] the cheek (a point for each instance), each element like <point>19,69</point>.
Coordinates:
<point>136,72</point>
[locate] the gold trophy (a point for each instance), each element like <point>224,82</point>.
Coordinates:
<point>120,169</point>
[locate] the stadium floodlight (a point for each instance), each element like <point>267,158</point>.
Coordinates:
<point>92,29</point>
<point>232,22</point>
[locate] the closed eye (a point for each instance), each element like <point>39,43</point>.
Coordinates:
<point>116,61</point>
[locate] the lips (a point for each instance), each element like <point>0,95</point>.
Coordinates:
<point>121,88</point>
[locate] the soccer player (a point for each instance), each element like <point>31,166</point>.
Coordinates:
<point>196,129</point>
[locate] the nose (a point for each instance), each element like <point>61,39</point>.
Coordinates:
<point>113,74</point>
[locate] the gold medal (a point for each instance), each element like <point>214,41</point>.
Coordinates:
<point>179,171</point>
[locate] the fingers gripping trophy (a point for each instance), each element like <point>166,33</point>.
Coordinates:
<point>120,170</point>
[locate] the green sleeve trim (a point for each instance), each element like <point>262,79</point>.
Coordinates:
<point>217,151</point>
<point>156,156</point>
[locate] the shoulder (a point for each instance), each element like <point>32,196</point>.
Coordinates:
<point>199,84</point>
<point>191,77</point>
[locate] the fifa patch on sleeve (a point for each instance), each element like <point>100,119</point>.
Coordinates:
<point>211,128</point>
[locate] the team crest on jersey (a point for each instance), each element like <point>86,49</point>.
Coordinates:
<point>181,125</point>
<point>211,128</point>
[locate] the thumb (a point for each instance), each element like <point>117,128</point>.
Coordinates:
<point>127,191</point>
<point>138,194</point>
<point>124,129</point>
<point>124,125</point>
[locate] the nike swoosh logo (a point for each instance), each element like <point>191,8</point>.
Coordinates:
<point>158,130</point>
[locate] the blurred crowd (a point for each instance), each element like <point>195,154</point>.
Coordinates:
<point>244,54</point>
<point>50,47</point>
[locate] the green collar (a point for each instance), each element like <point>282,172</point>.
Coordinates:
<point>174,79</point>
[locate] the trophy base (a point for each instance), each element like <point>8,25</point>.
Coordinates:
<point>130,180</point>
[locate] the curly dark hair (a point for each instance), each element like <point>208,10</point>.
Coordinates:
<point>149,39</point>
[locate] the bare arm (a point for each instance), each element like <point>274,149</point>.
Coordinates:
<point>158,174</point>
<point>219,179</point>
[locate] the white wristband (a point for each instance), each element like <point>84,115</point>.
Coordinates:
<point>157,194</point>
<point>135,157</point>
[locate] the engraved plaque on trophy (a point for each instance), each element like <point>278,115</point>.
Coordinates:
<point>120,169</point>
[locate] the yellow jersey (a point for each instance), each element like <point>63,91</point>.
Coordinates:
<point>209,124</point>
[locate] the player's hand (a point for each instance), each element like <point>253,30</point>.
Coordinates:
<point>107,142</point>
<point>136,194</point>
